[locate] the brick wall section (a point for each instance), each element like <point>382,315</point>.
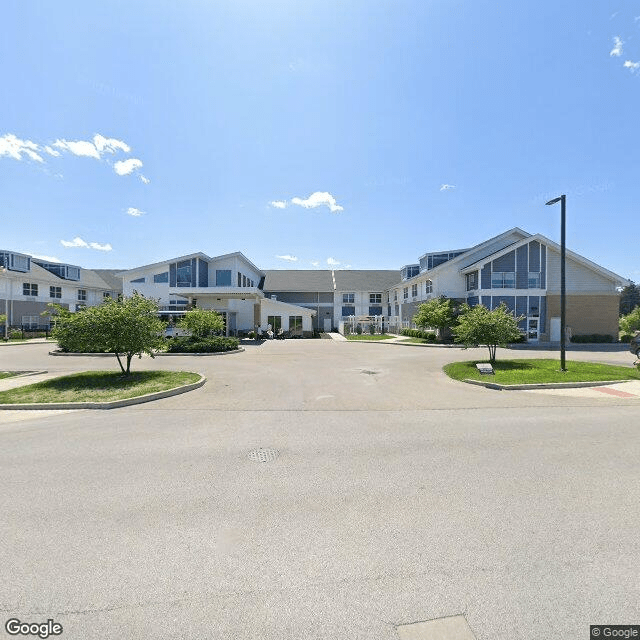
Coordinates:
<point>586,314</point>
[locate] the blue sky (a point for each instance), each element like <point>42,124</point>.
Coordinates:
<point>337,132</point>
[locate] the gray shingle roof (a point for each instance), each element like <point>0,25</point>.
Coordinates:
<point>298,280</point>
<point>366,280</point>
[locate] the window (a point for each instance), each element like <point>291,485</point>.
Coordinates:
<point>30,322</point>
<point>183,273</point>
<point>82,295</point>
<point>503,280</point>
<point>414,290</point>
<point>161,277</point>
<point>375,311</point>
<point>139,280</point>
<point>295,325</point>
<point>223,277</point>
<point>534,279</point>
<point>55,292</point>
<point>428,286</point>
<point>405,293</point>
<point>375,298</point>
<point>348,298</point>
<point>348,311</point>
<point>472,281</point>
<point>29,289</point>
<point>275,322</point>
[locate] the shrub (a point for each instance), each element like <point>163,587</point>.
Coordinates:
<point>592,338</point>
<point>214,344</point>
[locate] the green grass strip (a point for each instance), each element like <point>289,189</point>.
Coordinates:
<point>540,371</point>
<point>98,386</point>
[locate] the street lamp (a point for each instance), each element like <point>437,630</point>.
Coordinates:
<point>563,298</point>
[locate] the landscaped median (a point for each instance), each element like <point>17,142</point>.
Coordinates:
<point>100,390</point>
<point>533,373</point>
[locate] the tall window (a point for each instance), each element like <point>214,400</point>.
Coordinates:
<point>55,292</point>
<point>29,289</point>
<point>348,298</point>
<point>183,273</point>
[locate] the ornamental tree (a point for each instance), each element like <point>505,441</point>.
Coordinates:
<point>125,327</point>
<point>438,313</point>
<point>202,323</point>
<point>479,326</point>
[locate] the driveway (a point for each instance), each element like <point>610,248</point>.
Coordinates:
<point>394,495</point>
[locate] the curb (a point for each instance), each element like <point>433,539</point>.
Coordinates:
<point>542,385</point>
<point>155,355</point>
<point>115,404</point>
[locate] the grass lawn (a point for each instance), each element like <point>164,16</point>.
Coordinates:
<point>98,386</point>
<point>368,336</point>
<point>535,371</point>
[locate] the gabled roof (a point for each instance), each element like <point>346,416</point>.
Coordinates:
<point>189,256</point>
<point>576,257</point>
<point>319,280</point>
<point>365,280</point>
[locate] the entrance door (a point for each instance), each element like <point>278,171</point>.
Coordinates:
<point>532,329</point>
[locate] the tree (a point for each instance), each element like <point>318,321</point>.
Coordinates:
<point>629,298</point>
<point>438,313</point>
<point>128,327</point>
<point>477,325</point>
<point>631,322</point>
<point>202,323</point>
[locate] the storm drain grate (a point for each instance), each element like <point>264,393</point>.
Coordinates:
<point>263,455</point>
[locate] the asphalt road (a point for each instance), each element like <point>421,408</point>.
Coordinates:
<point>396,495</point>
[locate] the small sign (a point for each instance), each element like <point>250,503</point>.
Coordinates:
<point>485,368</point>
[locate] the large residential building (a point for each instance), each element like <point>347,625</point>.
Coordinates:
<point>28,284</point>
<point>516,268</point>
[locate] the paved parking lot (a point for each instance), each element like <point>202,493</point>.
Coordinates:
<point>393,495</point>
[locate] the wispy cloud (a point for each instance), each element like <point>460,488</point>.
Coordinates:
<point>278,204</point>
<point>288,258</point>
<point>13,147</point>
<point>332,262</point>
<point>125,167</point>
<point>617,47</point>
<point>446,187</point>
<point>318,199</point>
<point>79,242</point>
<point>136,213</point>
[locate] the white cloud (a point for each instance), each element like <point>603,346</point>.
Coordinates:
<point>332,262</point>
<point>144,179</point>
<point>136,213</point>
<point>288,258</point>
<point>278,204</point>
<point>110,145</point>
<point>317,199</point>
<point>79,242</point>
<point>78,148</point>
<point>51,152</point>
<point>446,187</point>
<point>633,66</point>
<point>125,167</point>
<point>617,47</point>
<point>13,147</point>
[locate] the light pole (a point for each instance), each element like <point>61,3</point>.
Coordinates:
<point>563,297</point>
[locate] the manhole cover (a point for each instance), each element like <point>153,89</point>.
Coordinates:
<point>263,455</point>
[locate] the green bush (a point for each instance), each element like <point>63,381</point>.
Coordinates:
<point>214,344</point>
<point>592,338</point>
